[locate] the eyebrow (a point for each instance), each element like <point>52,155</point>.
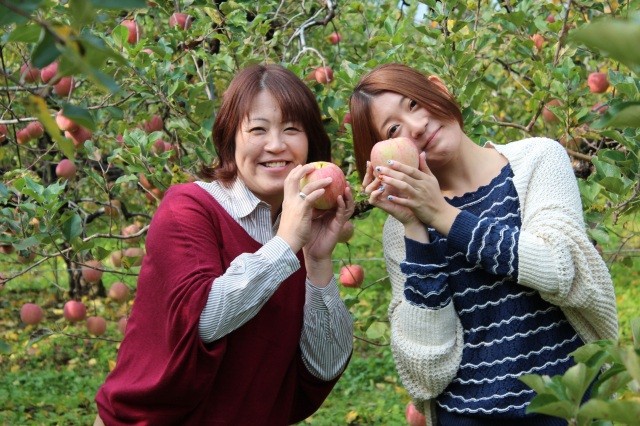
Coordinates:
<point>384,123</point>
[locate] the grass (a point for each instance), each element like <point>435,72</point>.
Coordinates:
<point>53,381</point>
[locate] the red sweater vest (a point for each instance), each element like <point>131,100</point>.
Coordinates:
<point>165,374</point>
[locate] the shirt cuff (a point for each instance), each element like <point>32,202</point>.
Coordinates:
<point>461,232</point>
<point>422,253</point>
<point>322,298</point>
<point>282,258</point>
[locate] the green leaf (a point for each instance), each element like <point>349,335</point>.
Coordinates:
<point>40,110</point>
<point>615,37</point>
<point>80,115</point>
<point>5,348</point>
<point>17,11</point>
<point>119,4</point>
<point>551,405</point>
<point>28,33</point>
<point>626,114</point>
<point>635,331</point>
<point>81,11</point>
<point>45,51</point>
<point>38,335</point>
<point>26,243</point>
<point>535,382</point>
<point>377,330</point>
<point>72,227</point>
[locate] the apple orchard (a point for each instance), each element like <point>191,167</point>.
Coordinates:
<point>106,104</point>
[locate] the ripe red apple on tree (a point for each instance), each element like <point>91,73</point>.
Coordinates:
<point>351,275</point>
<point>135,32</point>
<point>538,40</point>
<point>74,311</point>
<point>119,291</point>
<point>548,115</point>
<point>64,86</point>
<point>35,130</point>
<point>66,169</point>
<point>91,270</point>
<point>181,20</point>
<point>413,416</point>
<point>96,325</point>
<point>3,132</point>
<point>154,124</point>
<point>48,73</point>
<point>22,136</point>
<point>324,169</point>
<point>131,230</point>
<point>65,124</point>
<point>323,75</point>
<point>31,313</point>
<point>598,82</point>
<point>133,256</point>
<point>29,73</point>
<point>78,136</point>
<point>334,37</point>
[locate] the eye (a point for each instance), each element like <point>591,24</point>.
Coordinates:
<point>392,130</point>
<point>257,130</point>
<point>292,130</point>
<point>412,104</point>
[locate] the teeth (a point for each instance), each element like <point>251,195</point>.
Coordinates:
<point>276,164</point>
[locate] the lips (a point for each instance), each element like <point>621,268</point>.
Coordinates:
<point>433,135</point>
<point>274,164</point>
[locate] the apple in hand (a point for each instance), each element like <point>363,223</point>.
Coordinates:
<point>414,417</point>
<point>351,275</point>
<point>598,82</point>
<point>401,150</point>
<point>30,313</point>
<point>324,169</point>
<point>74,311</point>
<point>96,325</point>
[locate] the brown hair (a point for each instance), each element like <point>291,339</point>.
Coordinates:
<point>296,102</point>
<point>405,81</point>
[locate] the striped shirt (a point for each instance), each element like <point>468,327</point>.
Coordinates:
<point>238,295</point>
<point>509,330</point>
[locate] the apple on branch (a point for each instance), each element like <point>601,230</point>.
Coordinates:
<point>135,32</point>
<point>323,75</point>
<point>66,169</point>
<point>96,325</point>
<point>324,169</point>
<point>181,20</point>
<point>91,270</point>
<point>31,313</point>
<point>119,291</point>
<point>598,82</point>
<point>351,275</point>
<point>74,311</point>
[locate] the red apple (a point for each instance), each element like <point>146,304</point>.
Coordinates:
<point>29,73</point>
<point>346,232</point>
<point>66,169</point>
<point>116,258</point>
<point>35,129</point>
<point>74,311</point>
<point>351,275</point>
<point>538,41</point>
<point>4,131</point>
<point>91,270</point>
<point>22,136</point>
<point>402,150</point>
<point>133,256</point>
<point>48,73</point>
<point>414,417</point>
<point>78,136</point>
<point>135,32</point>
<point>119,291</point>
<point>154,124</point>
<point>96,325</point>
<point>323,75</point>
<point>334,38</point>
<point>551,19</point>
<point>547,114</point>
<point>30,313</point>
<point>598,82</point>
<point>181,20</point>
<point>600,108</point>
<point>129,230</point>
<point>324,169</point>
<point>122,324</point>
<point>64,123</point>
<point>64,86</point>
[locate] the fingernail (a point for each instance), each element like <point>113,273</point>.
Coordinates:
<point>378,168</point>
<point>381,188</point>
<point>390,197</point>
<point>389,162</point>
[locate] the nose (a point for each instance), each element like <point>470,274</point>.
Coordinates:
<point>416,128</point>
<point>275,143</point>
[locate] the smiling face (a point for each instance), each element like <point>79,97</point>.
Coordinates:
<point>394,115</point>
<point>268,148</point>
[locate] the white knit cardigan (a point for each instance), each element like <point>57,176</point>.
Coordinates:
<point>555,256</point>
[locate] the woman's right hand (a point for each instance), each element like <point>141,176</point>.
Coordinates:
<point>374,187</point>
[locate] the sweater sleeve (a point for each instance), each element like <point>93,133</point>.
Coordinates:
<point>556,256</point>
<point>426,341</point>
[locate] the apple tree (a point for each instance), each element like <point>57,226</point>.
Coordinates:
<point>104,104</point>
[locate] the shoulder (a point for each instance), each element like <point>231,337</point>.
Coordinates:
<point>531,147</point>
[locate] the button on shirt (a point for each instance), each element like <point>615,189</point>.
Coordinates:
<point>237,295</point>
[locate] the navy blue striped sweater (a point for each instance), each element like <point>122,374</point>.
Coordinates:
<point>509,330</point>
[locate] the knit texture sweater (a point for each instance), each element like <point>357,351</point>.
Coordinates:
<point>552,257</point>
<point>165,374</point>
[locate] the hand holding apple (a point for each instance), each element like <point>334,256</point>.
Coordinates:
<point>324,169</point>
